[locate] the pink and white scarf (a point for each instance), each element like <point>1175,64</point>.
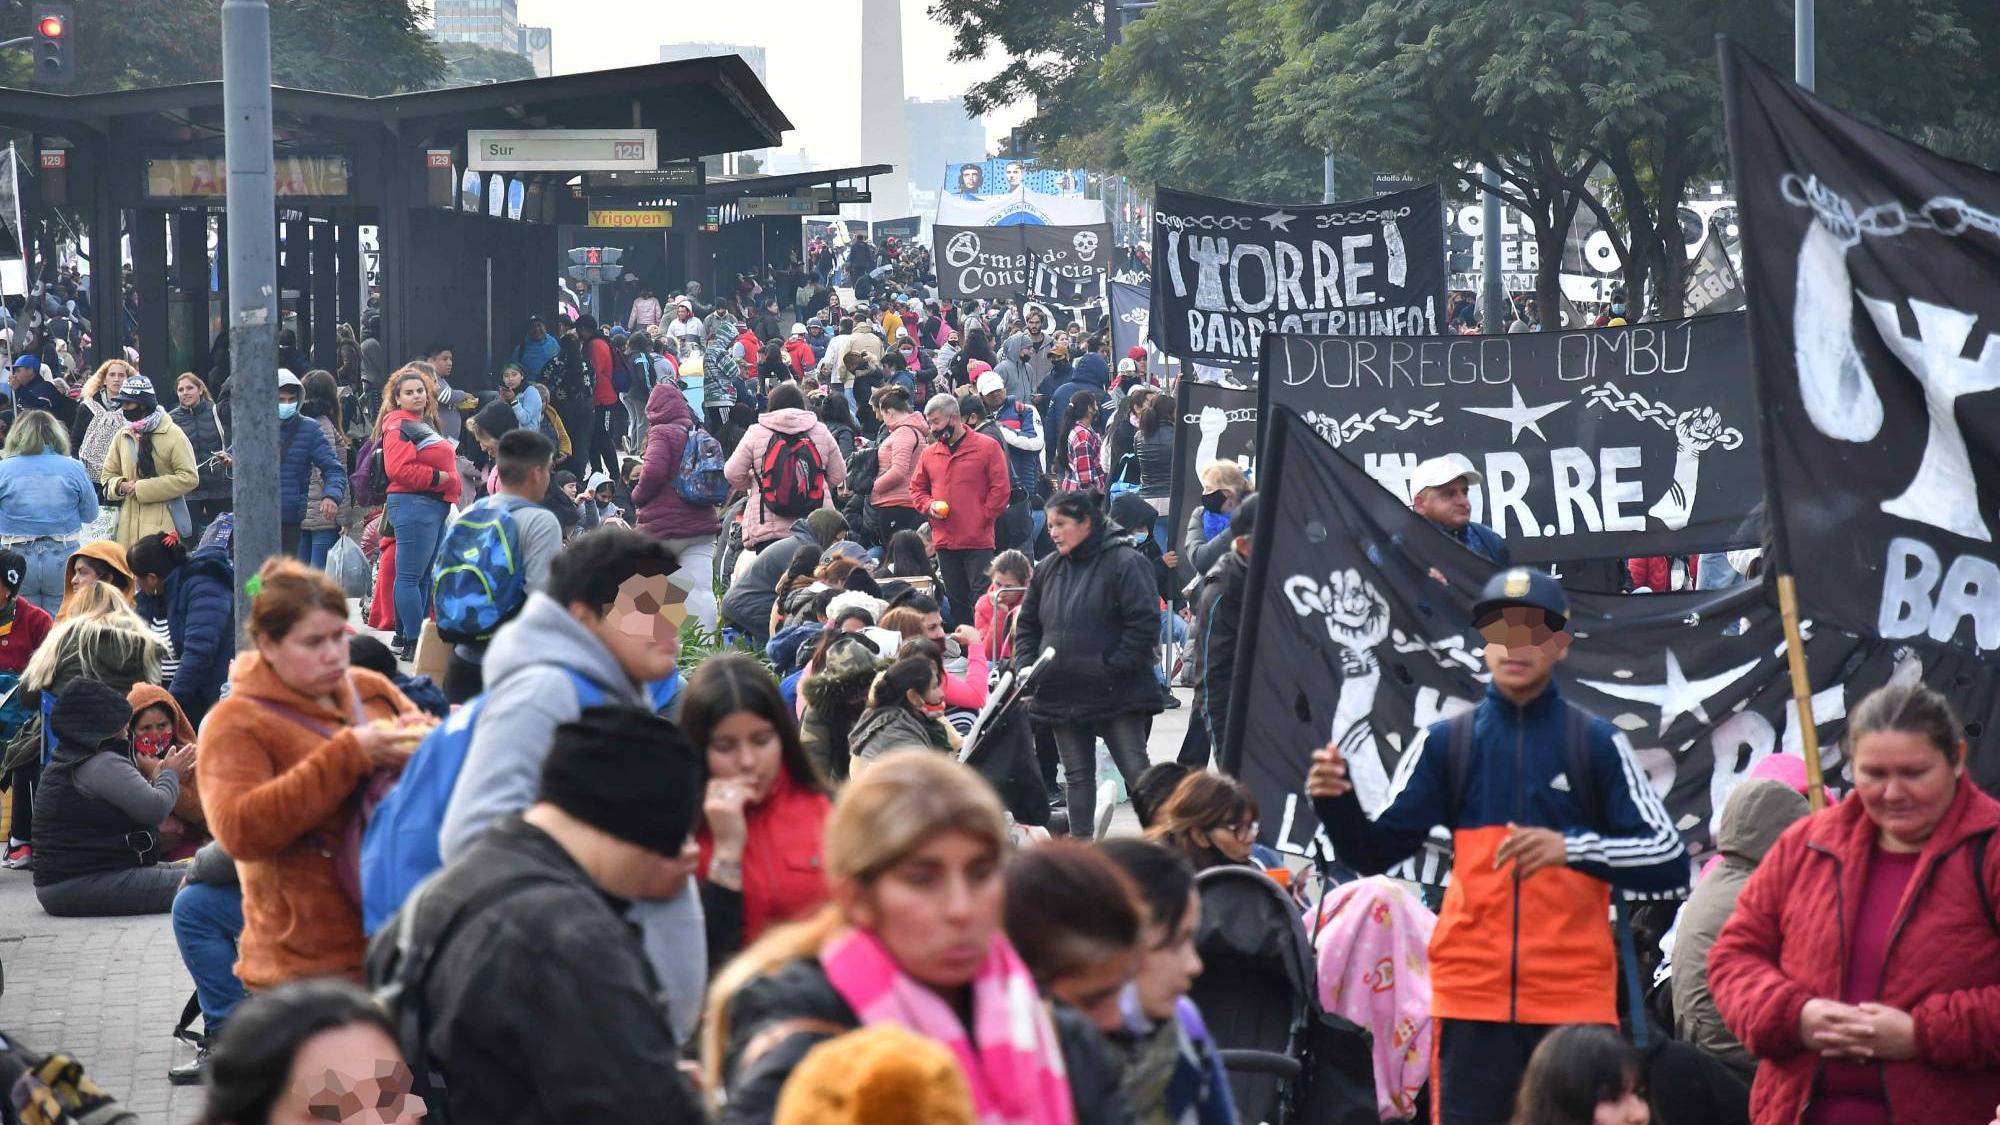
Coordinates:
<point>1013,1060</point>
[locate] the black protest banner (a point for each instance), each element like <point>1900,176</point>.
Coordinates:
<point>1349,638</point>
<point>1064,264</point>
<point>1872,262</point>
<point>1215,422</point>
<point>1129,312</point>
<point>1712,284</point>
<point>1605,443</point>
<point>1226,272</point>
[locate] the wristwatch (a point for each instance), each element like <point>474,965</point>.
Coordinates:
<point>727,872</point>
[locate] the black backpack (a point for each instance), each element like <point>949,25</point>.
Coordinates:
<point>862,469</point>
<point>792,479</point>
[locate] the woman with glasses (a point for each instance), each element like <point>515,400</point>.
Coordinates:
<point>1210,819</point>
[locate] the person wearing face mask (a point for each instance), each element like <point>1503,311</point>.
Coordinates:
<point>1218,613</point>
<point>961,484</point>
<point>913,937</point>
<point>905,708</point>
<point>1172,1070</point>
<point>150,469</point>
<point>524,938</point>
<point>303,446</point>
<point>1207,537</point>
<point>765,809</point>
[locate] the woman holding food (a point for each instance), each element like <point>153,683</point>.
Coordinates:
<point>286,759</point>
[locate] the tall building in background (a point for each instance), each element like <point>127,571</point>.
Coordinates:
<point>483,23</point>
<point>939,133</point>
<point>538,46</point>
<point>884,140</point>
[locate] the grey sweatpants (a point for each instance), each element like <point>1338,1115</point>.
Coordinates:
<point>108,894</point>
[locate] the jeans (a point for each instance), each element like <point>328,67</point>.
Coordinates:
<point>113,894</point>
<point>964,573</point>
<point>1479,1068</point>
<point>207,922</point>
<point>696,575</point>
<point>43,584</point>
<point>1713,572</point>
<point>315,545</point>
<point>1077,744</point>
<point>419,523</point>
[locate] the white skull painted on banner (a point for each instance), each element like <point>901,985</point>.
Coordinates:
<point>962,249</point>
<point>1086,244</point>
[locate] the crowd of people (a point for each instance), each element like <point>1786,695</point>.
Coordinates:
<point>690,782</point>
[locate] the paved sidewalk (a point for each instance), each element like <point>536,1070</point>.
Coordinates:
<point>108,990</point>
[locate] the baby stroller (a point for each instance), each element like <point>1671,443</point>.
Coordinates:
<point>1002,749</point>
<point>1288,1062</point>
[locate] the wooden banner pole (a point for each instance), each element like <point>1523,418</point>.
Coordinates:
<point>1795,655</point>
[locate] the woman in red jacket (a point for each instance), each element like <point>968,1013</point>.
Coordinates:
<point>1862,965</point>
<point>423,485</point>
<point>766,808</point>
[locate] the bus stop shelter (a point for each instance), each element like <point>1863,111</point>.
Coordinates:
<point>459,255</point>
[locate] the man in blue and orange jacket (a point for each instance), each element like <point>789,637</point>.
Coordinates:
<point>1523,943</point>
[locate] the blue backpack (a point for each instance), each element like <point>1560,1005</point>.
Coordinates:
<point>399,849</point>
<point>479,580</point>
<point>700,481</point>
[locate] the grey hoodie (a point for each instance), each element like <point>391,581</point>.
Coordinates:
<point>1757,813</point>
<point>529,693</point>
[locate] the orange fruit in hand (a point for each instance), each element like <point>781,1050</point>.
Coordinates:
<point>940,509</point>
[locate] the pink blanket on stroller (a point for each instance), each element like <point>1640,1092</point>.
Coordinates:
<point>1374,969</point>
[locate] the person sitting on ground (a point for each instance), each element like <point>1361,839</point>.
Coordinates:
<point>906,558</point>
<point>747,605</point>
<point>912,937</point>
<point>97,842</point>
<point>367,652</point>
<point>195,594</point>
<point>765,810</point>
<point>1210,819</point>
<point>993,615</point>
<point>309,1051</point>
<point>835,690</point>
<point>1583,1074</point>
<point>160,727</point>
<point>100,561</point>
<point>604,630</point>
<point>905,708</point>
<point>1075,916</point>
<point>1172,1069</point>
<point>523,937</point>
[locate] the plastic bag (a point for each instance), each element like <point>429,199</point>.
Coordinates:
<point>348,568</point>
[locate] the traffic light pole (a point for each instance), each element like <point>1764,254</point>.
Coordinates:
<point>252,307</point>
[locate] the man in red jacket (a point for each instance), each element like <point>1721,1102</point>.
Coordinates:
<point>601,444</point>
<point>961,484</point>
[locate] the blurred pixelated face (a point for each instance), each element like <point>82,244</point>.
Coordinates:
<point>352,1075</point>
<point>642,628</point>
<point>1523,647</point>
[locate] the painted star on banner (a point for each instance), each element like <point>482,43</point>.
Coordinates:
<point>1678,695</point>
<point>1521,416</point>
<point>1279,220</point>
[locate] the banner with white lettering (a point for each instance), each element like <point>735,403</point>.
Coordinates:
<point>1226,272</point>
<point>1063,264</point>
<point>1358,620</point>
<point>1872,262</point>
<point>1214,422</point>
<point>1712,284</point>
<point>1605,443</point>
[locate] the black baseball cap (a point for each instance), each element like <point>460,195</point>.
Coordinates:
<point>1523,586</point>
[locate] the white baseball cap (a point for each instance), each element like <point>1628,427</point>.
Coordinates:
<point>1126,366</point>
<point>990,381</point>
<point>1441,471</point>
<point>798,330</point>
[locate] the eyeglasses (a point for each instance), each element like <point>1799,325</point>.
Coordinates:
<point>1246,831</point>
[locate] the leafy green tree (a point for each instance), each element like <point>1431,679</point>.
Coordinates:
<point>467,64</point>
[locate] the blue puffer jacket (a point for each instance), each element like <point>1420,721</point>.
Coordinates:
<point>201,620</point>
<point>303,447</point>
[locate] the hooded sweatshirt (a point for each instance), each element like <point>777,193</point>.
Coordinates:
<point>661,510</point>
<point>530,692</point>
<point>760,527</point>
<point>107,551</point>
<point>1756,814</point>
<point>93,800</point>
<point>188,805</point>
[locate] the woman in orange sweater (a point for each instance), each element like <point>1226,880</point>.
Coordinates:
<point>284,760</point>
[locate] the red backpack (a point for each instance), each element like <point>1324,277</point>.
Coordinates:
<point>792,480</point>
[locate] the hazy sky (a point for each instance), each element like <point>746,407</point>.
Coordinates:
<point>814,55</point>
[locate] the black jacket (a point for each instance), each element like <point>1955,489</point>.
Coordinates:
<point>539,1005</point>
<point>1099,608</point>
<point>1218,614</point>
<point>800,992</point>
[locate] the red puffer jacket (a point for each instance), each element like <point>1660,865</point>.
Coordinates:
<point>783,877</point>
<point>1787,944</point>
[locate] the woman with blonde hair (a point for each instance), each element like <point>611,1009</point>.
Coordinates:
<point>100,418</point>
<point>1206,538</point>
<point>912,937</point>
<point>422,467</point>
<point>46,496</point>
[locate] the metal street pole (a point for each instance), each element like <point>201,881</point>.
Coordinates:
<point>253,288</point>
<point>1803,42</point>
<point>1327,193</point>
<point>1492,289</point>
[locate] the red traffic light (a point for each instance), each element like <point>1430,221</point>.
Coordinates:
<point>51,27</point>
<point>592,257</point>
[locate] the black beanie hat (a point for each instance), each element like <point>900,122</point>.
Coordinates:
<point>628,772</point>
<point>89,713</point>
